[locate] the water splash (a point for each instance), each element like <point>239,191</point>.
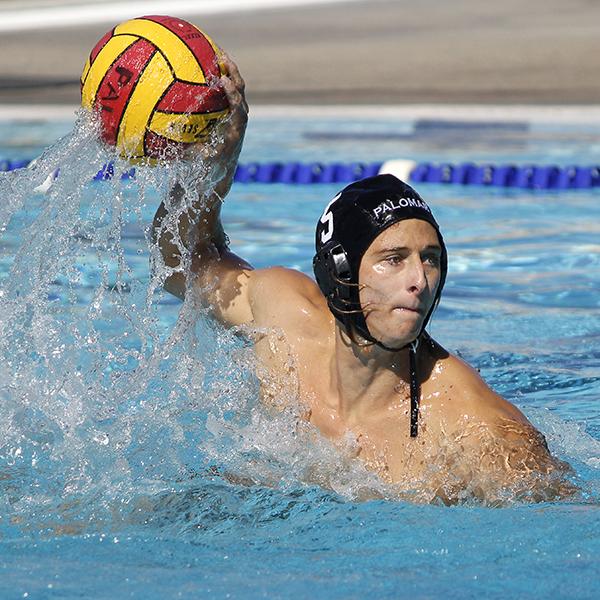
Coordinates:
<point>110,392</point>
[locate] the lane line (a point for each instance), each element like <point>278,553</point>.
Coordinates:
<point>114,12</point>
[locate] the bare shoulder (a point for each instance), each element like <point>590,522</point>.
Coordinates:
<point>278,295</point>
<point>237,294</point>
<point>468,394</point>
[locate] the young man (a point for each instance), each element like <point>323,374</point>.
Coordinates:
<point>352,348</point>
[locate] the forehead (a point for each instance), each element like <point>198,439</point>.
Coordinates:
<point>410,233</point>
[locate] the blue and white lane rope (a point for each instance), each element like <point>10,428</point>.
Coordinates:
<point>529,176</point>
<point>514,176</point>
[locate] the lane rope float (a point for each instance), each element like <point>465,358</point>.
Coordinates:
<point>525,176</point>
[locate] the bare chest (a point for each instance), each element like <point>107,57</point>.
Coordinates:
<point>299,370</point>
<point>382,439</point>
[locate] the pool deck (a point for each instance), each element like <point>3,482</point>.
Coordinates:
<point>376,52</point>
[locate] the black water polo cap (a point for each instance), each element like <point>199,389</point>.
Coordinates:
<point>348,226</point>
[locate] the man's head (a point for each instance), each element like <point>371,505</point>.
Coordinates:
<point>381,261</point>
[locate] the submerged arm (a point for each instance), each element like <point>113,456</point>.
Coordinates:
<point>502,456</point>
<point>516,458</point>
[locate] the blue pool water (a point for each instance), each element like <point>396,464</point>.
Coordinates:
<point>121,410</point>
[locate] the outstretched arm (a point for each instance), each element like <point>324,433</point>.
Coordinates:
<point>190,236</point>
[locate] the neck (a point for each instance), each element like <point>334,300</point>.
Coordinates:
<point>367,378</point>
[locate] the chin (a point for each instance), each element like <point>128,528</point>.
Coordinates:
<point>396,328</point>
<point>399,340</point>
<point>397,343</point>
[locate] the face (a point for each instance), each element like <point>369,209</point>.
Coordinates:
<point>399,275</point>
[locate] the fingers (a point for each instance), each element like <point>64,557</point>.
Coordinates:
<point>234,95</point>
<point>233,72</point>
<point>233,84</point>
<point>237,102</point>
<point>232,128</point>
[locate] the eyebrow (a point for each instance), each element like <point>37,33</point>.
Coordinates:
<point>405,249</point>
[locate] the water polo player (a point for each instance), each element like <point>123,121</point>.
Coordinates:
<point>352,347</point>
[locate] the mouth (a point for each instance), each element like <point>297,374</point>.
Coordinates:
<point>410,309</point>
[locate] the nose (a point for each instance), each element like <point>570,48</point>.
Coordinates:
<point>417,280</point>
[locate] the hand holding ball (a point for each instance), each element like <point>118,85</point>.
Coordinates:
<point>153,82</point>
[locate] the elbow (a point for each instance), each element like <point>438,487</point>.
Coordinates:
<point>175,286</point>
<point>165,270</point>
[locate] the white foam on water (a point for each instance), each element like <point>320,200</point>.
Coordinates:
<point>103,399</point>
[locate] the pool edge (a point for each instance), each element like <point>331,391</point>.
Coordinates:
<point>558,114</point>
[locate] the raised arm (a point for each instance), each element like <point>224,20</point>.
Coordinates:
<point>187,226</point>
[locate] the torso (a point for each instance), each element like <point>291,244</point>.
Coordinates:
<point>297,359</point>
<point>470,441</point>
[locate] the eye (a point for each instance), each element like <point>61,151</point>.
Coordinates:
<point>432,260</point>
<point>394,259</point>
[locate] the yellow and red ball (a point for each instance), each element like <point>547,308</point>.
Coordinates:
<point>153,82</point>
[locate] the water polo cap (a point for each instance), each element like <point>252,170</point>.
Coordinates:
<point>348,226</point>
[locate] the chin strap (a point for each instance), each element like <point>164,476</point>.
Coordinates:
<point>414,389</point>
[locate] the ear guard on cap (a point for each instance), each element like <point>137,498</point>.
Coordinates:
<point>333,261</point>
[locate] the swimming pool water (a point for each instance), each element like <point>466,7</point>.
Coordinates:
<point>120,411</point>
